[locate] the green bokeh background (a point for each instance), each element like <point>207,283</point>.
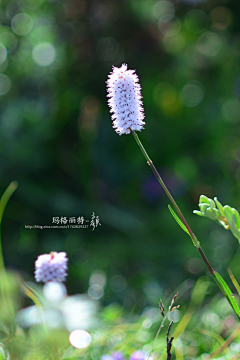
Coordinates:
<point>56,137</point>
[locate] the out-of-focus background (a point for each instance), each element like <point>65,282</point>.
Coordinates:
<point>57,141</point>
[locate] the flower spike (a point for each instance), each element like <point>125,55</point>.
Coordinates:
<point>124,92</point>
<point>51,267</point>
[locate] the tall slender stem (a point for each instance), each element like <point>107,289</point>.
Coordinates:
<point>160,180</point>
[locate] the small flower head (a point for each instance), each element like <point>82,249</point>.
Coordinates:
<point>138,355</point>
<point>118,355</point>
<point>51,267</point>
<point>125,103</point>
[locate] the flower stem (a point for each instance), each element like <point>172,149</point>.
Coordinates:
<point>158,177</point>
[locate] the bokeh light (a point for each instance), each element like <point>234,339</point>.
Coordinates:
<point>22,24</point>
<point>174,316</point>
<point>80,339</point>
<point>169,26</point>
<point>209,44</point>
<point>211,319</point>
<point>9,40</point>
<point>193,93</point>
<point>162,8</point>
<point>54,291</point>
<point>96,292</point>
<point>44,54</point>
<point>221,17</point>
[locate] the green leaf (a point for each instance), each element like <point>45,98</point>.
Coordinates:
<point>227,293</point>
<point>212,214</point>
<point>203,207</point>
<point>204,200</point>
<point>235,231</point>
<point>228,211</point>
<point>182,226</point>
<point>198,213</point>
<point>236,218</point>
<point>219,206</point>
<point>231,216</point>
<point>234,281</point>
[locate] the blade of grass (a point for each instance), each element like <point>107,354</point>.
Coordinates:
<point>234,281</point>
<point>3,202</point>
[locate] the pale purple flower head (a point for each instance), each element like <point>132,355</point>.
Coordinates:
<point>51,267</point>
<point>138,355</point>
<point>118,355</point>
<point>125,103</point>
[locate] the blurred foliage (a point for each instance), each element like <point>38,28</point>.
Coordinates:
<point>57,141</point>
<point>44,330</point>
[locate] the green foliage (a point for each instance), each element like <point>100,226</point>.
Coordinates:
<point>228,294</point>
<point>203,313</point>
<point>226,216</point>
<point>182,226</point>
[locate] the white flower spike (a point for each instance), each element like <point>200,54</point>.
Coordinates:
<point>125,103</point>
<point>51,267</point>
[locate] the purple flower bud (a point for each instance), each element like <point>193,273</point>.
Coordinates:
<point>125,103</point>
<point>51,267</point>
<point>118,355</point>
<point>138,355</point>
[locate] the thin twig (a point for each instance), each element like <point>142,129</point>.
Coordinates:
<point>170,308</point>
<point>169,342</point>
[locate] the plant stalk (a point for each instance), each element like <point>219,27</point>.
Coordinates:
<point>158,177</point>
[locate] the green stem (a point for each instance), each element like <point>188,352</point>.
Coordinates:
<point>3,202</point>
<point>4,284</point>
<point>158,177</point>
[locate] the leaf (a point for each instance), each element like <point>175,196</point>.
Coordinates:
<point>228,211</point>
<point>212,214</point>
<point>204,200</point>
<point>235,231</point>
<point>227,292</point>
<point>219,206</point>
<point>198,213</point>
<point>204,207</point>
<point>236,218</point>
<point>234,281</point>
<point>182,226</point>
<point>231,216</point>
